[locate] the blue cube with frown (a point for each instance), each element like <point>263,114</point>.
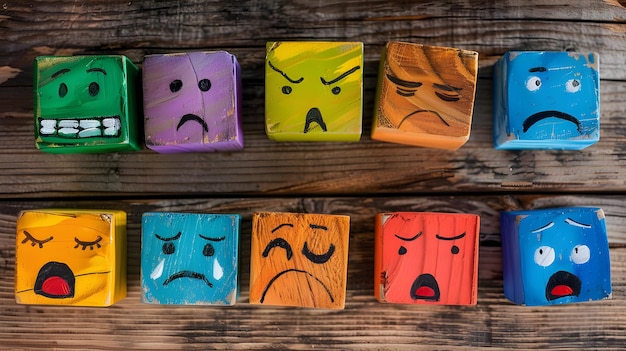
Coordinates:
<point>546,100</point>
<point>189,258</point>
<point>555,256</point>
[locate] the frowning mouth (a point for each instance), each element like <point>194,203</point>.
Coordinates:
<point>78,128</point>
<point>416,112</point>
<point>188,274</point>
<point>534,118</point>
<point>191,117</point>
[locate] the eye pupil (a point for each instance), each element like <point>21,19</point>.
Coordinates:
<point>454,250</point>
<point>541,251</point>
<point>204,84</point>
<point>94,88</point>
<point>575,83</point>
<point>537,82</point>
<point>62,90</point>
<point>168,248</point>
<point>336,90</point>
<point>176,85</point>
<point>286,90</point>
<point>402,250</point>
<point>208,250</point>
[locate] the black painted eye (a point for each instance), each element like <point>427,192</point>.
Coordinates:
<point>168,248</point>
<point>208,250</point>
<point>402,250</point>
<point>204,85</point>
<point>176,85</point>
<point>454,249</point>
<point>62,90</point>
<point>286,90</point>
<point>336,90</point>
<point>94,88</point>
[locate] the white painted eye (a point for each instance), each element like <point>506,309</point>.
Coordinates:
<point>580,254</point>
<point>544,256</point>
<point>533,83</point>
<point>572,85</point>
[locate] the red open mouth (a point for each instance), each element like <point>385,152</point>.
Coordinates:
<point>562,284</point>
<point>425,287</point>
<point>55,280</point>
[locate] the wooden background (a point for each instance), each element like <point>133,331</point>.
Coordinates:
<point>356,179</point>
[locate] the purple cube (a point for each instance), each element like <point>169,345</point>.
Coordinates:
<point>192,102</point>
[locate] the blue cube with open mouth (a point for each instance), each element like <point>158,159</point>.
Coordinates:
<point>555,256</point>
<point>546,100</point>
<point>190,258</point>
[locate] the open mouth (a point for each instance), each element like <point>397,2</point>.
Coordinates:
<point>314,115</point>
<point>562,284</point>
<point>81,127</point>
<point>425,287</point>
<point>55,280</point>
<point>534,118</point>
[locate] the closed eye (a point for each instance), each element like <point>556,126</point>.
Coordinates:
<point>315,258</point>
<point>89,244</point>
<point>34,241</point>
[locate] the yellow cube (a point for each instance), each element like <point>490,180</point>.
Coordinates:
<point>70,257</point>
<point>425,95</point>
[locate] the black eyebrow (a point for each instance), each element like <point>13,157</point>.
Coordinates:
<point>408,239</point>
<point>175,237</point>
<point>96,69</point>
<point>446,87</point>
<point>316,226</point>
<point>211,239</point>
<point>450,238</point>
<point>59,72</point>
<point>345,74</point>
<point>282,225</point>
<point>549,225</point>
<point>538,69</point>
<point>576,224</point>
<point>404,83</point>
<point>285,74</point>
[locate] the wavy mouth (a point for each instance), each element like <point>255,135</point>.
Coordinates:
<point>534,118</point>
<point>188,274</point>
<point>425,287</point>
<point>330,295</point>
<point>562,284</point>
<point>78,128</point>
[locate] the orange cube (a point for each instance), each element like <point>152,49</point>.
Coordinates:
<point>299,259</point>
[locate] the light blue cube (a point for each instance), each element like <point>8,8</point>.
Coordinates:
<point>555,256</point>
<point>546,100</point>
<point>190,258</point>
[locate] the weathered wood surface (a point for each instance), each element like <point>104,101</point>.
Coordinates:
<point>355,179</point>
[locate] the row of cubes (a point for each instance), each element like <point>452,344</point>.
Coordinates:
<point>313,92</point>
<point>78,257</point>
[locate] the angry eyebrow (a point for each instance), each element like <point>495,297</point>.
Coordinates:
<point>101,70</point>
<point>549,225</point>
<point>317,226</point>
<point>175,237</point>
<point>212,239</point>
<point>59,72</point>
<point>576,224</point>
<point>537,69</point>
<point>450,237</point>
<point>282,225</point>
<point>285,74</point>
<point>342,76</point>
<point>408,239</point>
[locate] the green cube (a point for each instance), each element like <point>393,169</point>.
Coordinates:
<point>86,104</point>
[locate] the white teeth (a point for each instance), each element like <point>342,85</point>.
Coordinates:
<point>82,128</point>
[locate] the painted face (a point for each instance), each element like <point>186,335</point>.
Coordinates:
<point>85,104</point>
<point>563,254</point>
<point>424,257</point>
<point>192,102</point>
<point>426,95</point>
<point>313,91</point>
<point>299,259</point>
<point>189,258</point>
<point>70,257</point>
<point>546,100</point>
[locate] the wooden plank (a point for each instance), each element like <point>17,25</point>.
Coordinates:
<point>363,324</point>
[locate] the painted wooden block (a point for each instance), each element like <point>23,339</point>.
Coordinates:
<point>425,95</point>
<point>555,256</point>
<point>299,259</point>
<point>192,102</point>
<point>86,104</point>
<point>426,258</point>
<point>546,100</point>
<point>70,257</point>
<point>190,258</point>
<point>314,91</point>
